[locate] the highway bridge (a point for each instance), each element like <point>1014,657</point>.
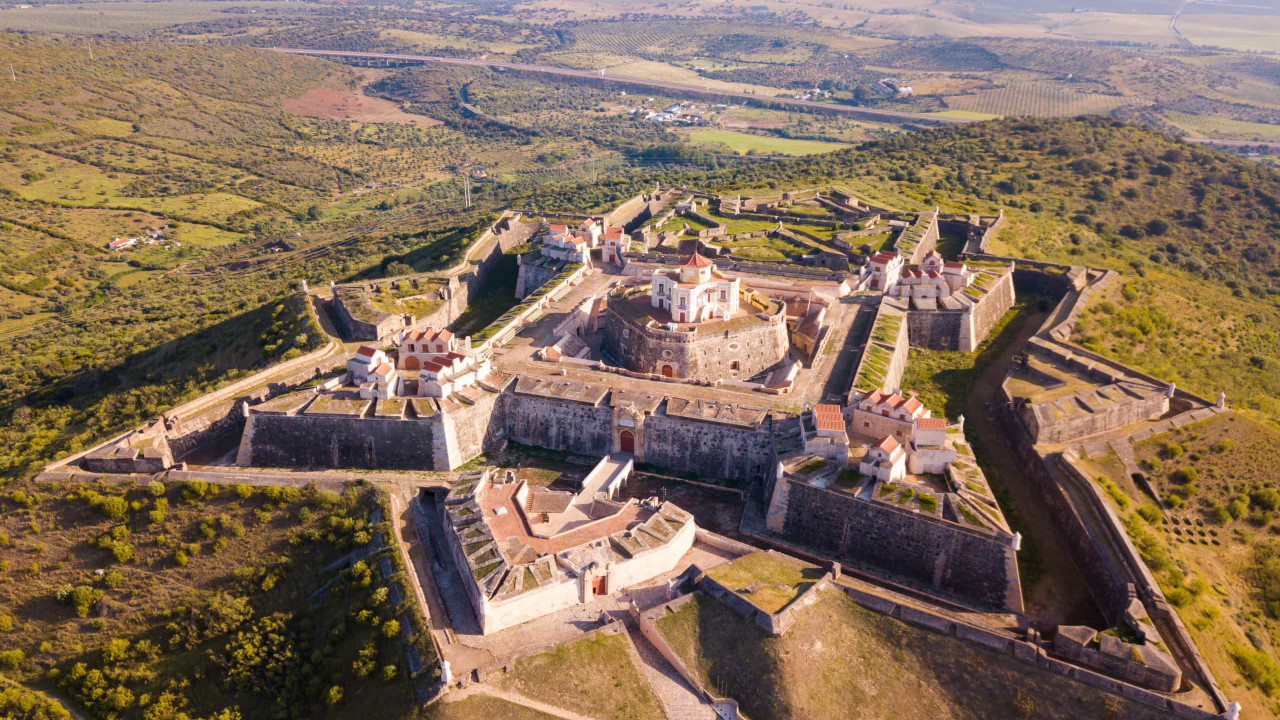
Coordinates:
<point>656,86</point>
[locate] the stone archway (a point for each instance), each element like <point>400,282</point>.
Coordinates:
<point>668,371</point>
<point>627,441</point>
<point>411,362</point>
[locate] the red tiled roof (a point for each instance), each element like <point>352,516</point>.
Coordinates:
<point>383,369</point>
<point>912,405</point>
<point>931,423</point>
<point>883,257</point>
<point>613,233</point>
<point>888,444</point>
<point>366,351</point>
<point>696,260</point>
<point>559,228</point>
<point>953,264</point>
<point>828,417</point>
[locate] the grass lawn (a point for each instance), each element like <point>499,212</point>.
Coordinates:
<point>942,377</point>
<point>744,143</point>
<point>766,580</point>
<point>497,295</point>
<point>594,676</point>
<point>841,661</point>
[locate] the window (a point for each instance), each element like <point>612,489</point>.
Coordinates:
<point>724,295</point>
<point>733,365</point>
<point>682,302</point>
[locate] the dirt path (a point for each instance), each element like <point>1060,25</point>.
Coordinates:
<point>456,695</point>
<point>1060,595</point>
<point>65,705</point>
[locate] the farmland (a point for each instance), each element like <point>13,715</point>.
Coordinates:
<point>747,144</point>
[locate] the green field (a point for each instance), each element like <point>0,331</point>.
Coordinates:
<point>748,144</point>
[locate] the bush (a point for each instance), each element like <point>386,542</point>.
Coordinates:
<point>156,488</point>
<point>1185,476</point>
<point>1178,597</point>
<point>6,622</point>
<point>81,597</point>
<point>1257,667</point>
<point>180,558</point>
<point>11,659</point>
<point>1171,450</point>
<point>1150,513</point>
<point>390,628</point>
<point>1265,498</point>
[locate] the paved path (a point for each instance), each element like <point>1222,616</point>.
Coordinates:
<point>678,699</point>
<point>587,75</point>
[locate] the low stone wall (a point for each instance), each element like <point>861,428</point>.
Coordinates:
<point>709,449</point>
<point>774,624</point>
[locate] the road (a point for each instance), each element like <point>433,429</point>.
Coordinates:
<point>572,74</point>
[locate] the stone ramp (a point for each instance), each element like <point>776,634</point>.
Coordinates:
<point>680,701</point>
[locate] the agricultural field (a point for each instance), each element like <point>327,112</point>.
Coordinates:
<point>116,596</point>
<point>1037,98</point>
<point>1210,541</point>
<point>748,144</point>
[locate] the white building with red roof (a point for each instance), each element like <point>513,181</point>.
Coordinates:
<point>888,413</point>
<point>366,359</point>
<point>616,242</point>
<point>883,270</point>
<point>830,437</point>
<point>886,460</point>
<point>695,291</point>
<point>930,452</point>
<point>418,346</point>
<point>933,278</point>
<point>563,244</point>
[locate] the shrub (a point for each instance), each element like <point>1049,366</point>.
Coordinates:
<point>1171,450</point>
<point>334,695</point>
<point>390,628</point>
<point>1257,667</point>
<point>1265,498</point>
<point>1178,597</point>
<point>1150,513</point>
<point>244,491</point>
<point>156,488</point>
<point>180,558</point>
<point>1185,476</point>
<point>6,622</point>
<point>81,597</point>
<point>11,659</point>
<point>113,508</point>
<point>388,673</point>
<point>1224,445</point>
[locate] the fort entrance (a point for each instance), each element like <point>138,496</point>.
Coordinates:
<point>627,441</point>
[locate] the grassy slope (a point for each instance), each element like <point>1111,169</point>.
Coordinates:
<point>594,676</point>
<point>842,661</point>
<point>285,556</point>
<point>1205,561</point>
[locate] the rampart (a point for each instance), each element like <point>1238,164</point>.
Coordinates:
<point>977,565</point>
<point>341,442</point>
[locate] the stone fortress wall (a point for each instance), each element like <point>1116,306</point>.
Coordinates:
<point>746,346</point>
<point>455,293</point>
<point>977,565</point>
<point>964,329</point>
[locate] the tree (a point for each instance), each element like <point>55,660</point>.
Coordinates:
<point>334,695</point>
<point>1157,226</point>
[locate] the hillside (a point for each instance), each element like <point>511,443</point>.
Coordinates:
<point>1212,543</point>
<point>216,602</point>
<point>842,661</point>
